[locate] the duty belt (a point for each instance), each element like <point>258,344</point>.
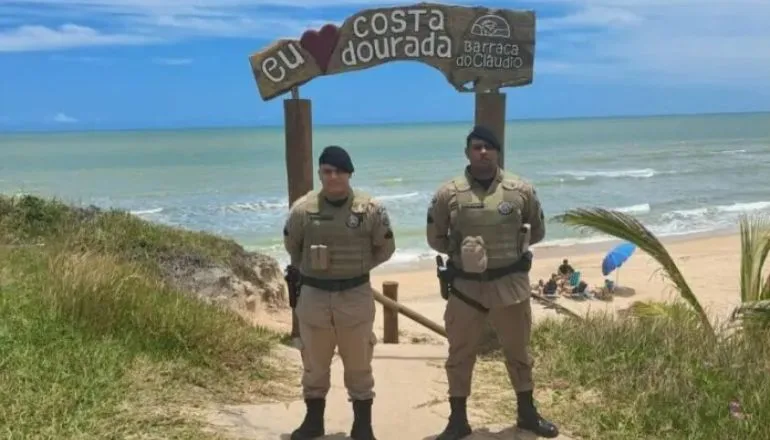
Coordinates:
<point>337,285</point>
<point>524,264</point>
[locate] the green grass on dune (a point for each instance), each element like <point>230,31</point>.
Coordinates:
<point>94,345</point>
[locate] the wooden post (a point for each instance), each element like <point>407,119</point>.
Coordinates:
<point>298,126</point>
<point>409,313</point>
<point>390,316</point>
<point>490,112</point>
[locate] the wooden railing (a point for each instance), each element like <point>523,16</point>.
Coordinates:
<point>391,309</point>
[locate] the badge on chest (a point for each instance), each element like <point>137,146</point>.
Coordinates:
<point>354,220</point>
<point>505,208</point>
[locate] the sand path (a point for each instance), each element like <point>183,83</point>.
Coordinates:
<point>410,402</point>
<point>410,380</point>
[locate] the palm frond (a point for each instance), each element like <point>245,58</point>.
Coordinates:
<point>755,247</point>
<point>765,295</point>
<point>626,227</point>
<point>753,310</point>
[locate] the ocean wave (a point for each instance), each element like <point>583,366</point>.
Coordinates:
<point>141,212</point>
<point>735,208</point>
<point>642,208</point>
<point>275,204</point>
<point>392,181</point>
<point>242,223</point>
<point>408,195</point>
<point>261,205</point>
<point>643,173</point>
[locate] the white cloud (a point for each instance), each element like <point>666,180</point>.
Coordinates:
<point>712,41</point>
<point>34,37</point>
<point>64,118</point>
<point>80,59</point>
<point>683,41</point>
<point>173,61</point>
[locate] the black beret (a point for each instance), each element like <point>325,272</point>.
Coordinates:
<point>483,133</point>
<point>336,157</point>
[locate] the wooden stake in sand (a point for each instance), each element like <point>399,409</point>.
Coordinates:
<point>298,126</point>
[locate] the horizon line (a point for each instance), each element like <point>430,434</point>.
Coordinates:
<point>370,124</point>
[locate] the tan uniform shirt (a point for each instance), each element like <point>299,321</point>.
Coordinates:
<point>383,239</point>
<point>510,289</point>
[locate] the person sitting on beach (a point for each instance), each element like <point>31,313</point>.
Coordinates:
<point>551,287</point>
<point>604,292</point>
<point>580,289</point>
<point>565,269</point>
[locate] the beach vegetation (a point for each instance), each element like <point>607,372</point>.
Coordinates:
<point>655,375</point>
<point>627,227</point>
<point>754,288</point>
<point>754,310</point>
<point>95,344</point>
<point>613,378</point>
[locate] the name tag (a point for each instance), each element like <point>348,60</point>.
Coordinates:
<point>321,217</point>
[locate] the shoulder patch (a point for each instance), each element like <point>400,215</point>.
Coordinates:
<point>382,212</point>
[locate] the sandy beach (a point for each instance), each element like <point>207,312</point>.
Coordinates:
<point>709,263</point>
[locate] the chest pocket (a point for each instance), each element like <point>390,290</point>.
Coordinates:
<point>495,217</point>
<point>346,233</point>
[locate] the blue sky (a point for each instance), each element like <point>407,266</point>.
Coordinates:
<point>91,64</point>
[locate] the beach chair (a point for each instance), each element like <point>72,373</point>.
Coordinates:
<point>574,279</point>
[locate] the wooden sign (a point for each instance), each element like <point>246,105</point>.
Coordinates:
<point>475,48</point>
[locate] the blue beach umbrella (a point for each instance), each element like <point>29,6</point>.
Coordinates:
<point>617,256</point>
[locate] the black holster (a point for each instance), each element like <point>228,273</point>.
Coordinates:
<point>293,283</point>
<point>446,274</point>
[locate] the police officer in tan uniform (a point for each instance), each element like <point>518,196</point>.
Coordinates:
<point>335,237</point>
<point>484,221</point>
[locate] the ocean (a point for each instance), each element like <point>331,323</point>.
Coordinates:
<point>677,174</point>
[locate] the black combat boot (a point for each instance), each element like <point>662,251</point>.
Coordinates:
<point>313,425</point>
<point>530,420</point>
<point>362,420</point>
<point>458,426</point>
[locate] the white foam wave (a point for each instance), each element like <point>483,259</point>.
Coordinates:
<point>147,211</point>
<point>643,173</point>
<point>734,208</point>
<point>262,205</point>
<point>744,207</point>
<point>408,195</point>
<point>641,208</point>
<point>406,256</point>
<point>275,205</point>
<point>566,242</point>
<point>731,152</point>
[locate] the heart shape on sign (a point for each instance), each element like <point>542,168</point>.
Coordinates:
<point>321,44</point>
